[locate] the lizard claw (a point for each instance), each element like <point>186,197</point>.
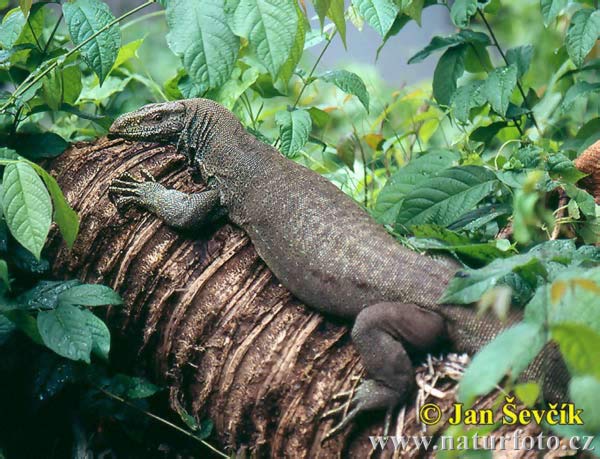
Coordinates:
<point>126,190</point>
<point>370,394</point>
<point>147,175</point>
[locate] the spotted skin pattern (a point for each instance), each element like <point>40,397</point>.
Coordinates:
<point>319,243</point>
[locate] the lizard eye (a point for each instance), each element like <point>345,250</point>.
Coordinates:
<point>157,116</point>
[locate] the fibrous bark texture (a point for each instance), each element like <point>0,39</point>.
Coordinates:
<point>205,317</point>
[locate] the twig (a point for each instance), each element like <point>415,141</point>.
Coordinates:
<point>499,48</point>
<point>52,34</point>
<point>159,419</point>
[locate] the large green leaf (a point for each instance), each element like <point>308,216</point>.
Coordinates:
<point>443,199</point>
<point>380,14</point>
<point>288,68</point>
<point>62,85</point>
<point>27,206</point>
<point>551,9</point>
<point>467,97</point>
<point>509,353</point>
<point>437,43</point>
<point>270,27</point>
<point>585,393</point>
<point>65,331</point>
<point>449,68</point>
<point>348,82</point>
<point>461,12</point>
<point>44,295</point>
<point>295,129</point>
<point>89,295</point>
<point>100,334</point>
<point>336,14</point>
<point>200,35</point>
<point>389,199</point>
<point>579,345</point>
<point>64,215</point>
<point>579,89</point>
<point>521,57</point>
<point>582,34</point>
<point>499,86</point>
<point>11,28</point>
<point>85,18</point>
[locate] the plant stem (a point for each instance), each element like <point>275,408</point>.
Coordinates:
<point>52,34</point>
<point>159,419</point>
<point>143,18</point>
<point>23,87</point>
<point>314,67</point>
<point>499,48</point>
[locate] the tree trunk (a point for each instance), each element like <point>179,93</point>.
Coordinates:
<point>204,316</point>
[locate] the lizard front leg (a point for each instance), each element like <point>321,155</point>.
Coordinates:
<point>384,334</point>
<point>177,209</point>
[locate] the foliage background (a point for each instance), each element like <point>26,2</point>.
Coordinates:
<point>475,162</point>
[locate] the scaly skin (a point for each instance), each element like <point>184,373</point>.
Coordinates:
<point>318,242</point>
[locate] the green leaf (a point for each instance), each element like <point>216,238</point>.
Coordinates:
<point>65,331</point>
<point>131,387</point>
<point>582,34</point>
<point>200,36</point>
<point>230,92</point>
<point>62,85</point>
<point>449,68</point>
<point>348,82</point>
<point>551,9</point>
<point>4,273</point>
<point>288,68</point>
<point>389,199</point>
<point>585,393</point>
<point>295,129</point>
<point>322,8</point>
<point>579,89</point>
<point>12,25</point>
<point>64,215</point>
<point>379,14</point>
<point>521,57</point>
<point>90,295</point>
<point>6,329</point>
<point>486,133</point>
<point>44,295</point>
<point>127,52</point>
<point>413,9</point>
<point>270,26</point>
<point>100,334</point>
<point>437,43</point>
<point>499,87</point>
<point>100,95</point>
<point>433,237</point>
<point>25,6</point>
<point>461,12</point>
<point>509,353</point>
<point>445,198</point>
<point>579,346</point>
<point>27,206</point>
<point>336,14</point>
<point>85,18</point>
<point>39,145</point>
<point>467,97</point>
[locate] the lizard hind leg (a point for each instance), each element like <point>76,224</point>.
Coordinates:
<point>384,334</point>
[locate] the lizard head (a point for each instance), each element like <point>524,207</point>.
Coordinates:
<point>155,122</point>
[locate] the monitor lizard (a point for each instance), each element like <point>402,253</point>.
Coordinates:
<point>318,242</point>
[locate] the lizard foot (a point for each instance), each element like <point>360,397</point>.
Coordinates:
<point>369,395</point>
<point>127,190</point>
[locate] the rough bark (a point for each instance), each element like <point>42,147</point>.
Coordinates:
<point>204,316</point>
